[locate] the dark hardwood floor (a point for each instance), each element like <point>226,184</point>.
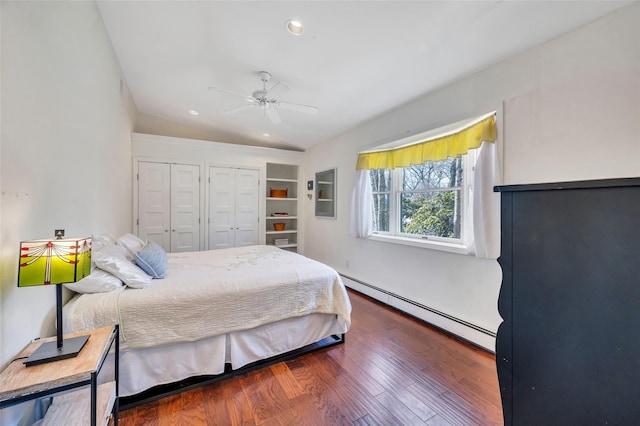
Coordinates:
<point>392,370</point>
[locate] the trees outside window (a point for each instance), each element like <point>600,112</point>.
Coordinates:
<point>421,201</point>
<point>381,191</point>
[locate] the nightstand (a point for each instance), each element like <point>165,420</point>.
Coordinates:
<point>92,405</point>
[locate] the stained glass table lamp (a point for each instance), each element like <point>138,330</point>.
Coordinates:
<point>55,262</point>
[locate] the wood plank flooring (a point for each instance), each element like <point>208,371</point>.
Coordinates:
<point>392,370</point>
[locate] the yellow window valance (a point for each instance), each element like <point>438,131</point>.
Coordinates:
<point>437,148</point>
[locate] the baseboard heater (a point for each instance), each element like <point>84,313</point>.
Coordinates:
<point>464,330</point>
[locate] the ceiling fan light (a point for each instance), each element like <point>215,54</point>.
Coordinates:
<point>295,27</point>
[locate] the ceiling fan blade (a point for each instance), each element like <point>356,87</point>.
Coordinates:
<point>228,92</point>
<point>273,115</point>
<point>278,90</point>
<point>242,108</point>
<point>307,109</point>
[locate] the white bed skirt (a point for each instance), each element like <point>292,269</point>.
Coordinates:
<point>141,369</point>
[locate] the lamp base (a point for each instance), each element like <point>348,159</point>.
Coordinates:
<point>49,351</point>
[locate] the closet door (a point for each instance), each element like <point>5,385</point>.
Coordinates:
<point>246,217</point>
<point>154,202</point>
<point>169,205</point>
<point>233,207</point>
<point>185,207</point>
<point>221,207</point>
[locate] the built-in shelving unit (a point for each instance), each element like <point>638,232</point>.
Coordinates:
<point>278,228</point>
<point>326,193</point>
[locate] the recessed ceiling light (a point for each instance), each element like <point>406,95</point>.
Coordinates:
<point>295,27</point>
<point>266,135</point>
<point>193,112</point>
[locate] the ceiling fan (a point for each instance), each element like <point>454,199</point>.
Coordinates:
<point>267,100</point>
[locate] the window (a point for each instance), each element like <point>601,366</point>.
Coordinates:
<point>420,191</point>
<point>381,192</point>
<point>426,201</point>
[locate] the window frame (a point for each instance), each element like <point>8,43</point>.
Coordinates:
<point>454,245</point>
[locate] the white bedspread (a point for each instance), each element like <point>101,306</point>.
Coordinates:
<point>214,292</point>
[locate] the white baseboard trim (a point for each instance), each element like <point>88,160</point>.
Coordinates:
<point>478,336</point>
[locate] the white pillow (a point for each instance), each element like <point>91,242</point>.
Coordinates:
<point>98,281</point>
<point>112,259</point>
<point>131,243</point>
<point>101,240</point>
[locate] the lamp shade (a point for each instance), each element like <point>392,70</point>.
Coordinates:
<point>44,262</point>
<point>59,261</point>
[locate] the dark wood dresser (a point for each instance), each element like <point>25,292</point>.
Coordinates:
<point>568,350</point>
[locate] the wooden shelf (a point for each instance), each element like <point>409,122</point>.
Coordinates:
<point>281,199</point>
<point>77,406</point>
<point>293,231</point>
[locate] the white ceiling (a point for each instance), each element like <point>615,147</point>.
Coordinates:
<point>355,60</point>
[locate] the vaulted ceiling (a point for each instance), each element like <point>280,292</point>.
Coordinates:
<point>354,61</point>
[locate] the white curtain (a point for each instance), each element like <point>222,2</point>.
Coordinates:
<point>361,217</point>
<point>485,204</point>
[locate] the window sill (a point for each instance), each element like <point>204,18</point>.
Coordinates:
<point>426,244</point>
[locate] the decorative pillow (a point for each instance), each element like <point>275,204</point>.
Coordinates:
<point>98,281</point>
<point>152,259</point>
<point>112,259</point>
<point>131,243</point>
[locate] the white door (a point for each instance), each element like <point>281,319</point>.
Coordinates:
<point>154,203</point>
<point>221,207</point>
<point>233,207</point>
<point>185,207</point>
<point>246,207</point>
<point>169,205</point>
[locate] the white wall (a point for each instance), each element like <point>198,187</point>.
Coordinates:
<point>149,124</point>
<point>571,112</point>
<point>215,153</point>
<point>1,133</point>
<point>65,147</point>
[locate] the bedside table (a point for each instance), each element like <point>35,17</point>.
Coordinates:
<point>91,405</point>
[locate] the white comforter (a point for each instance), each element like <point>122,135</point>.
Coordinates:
<point>214,292</point>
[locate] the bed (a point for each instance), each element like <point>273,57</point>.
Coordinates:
<point>213,311</point>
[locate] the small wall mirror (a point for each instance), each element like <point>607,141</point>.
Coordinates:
<point>326,193</point>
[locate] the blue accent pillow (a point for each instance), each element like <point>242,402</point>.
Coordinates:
<point>152,259</point>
